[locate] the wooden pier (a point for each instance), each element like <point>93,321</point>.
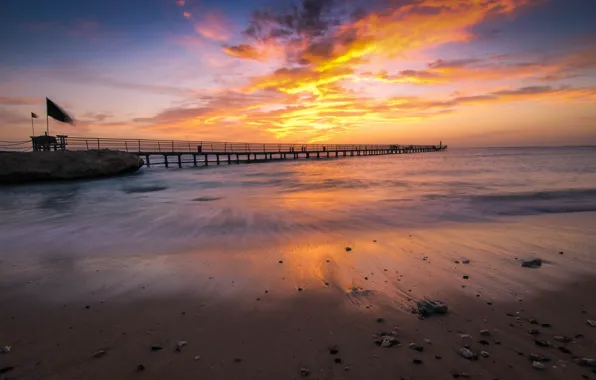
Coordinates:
<point>205,153</point>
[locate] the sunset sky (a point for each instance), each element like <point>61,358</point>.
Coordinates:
<point>468,72</point>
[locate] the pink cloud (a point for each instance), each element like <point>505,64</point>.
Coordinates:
<point>214,27</point>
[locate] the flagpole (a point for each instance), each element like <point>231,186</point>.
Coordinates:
<point>32,127</point>
<point>47,124</point>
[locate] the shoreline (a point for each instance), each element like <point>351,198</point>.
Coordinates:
<point>242,303</point>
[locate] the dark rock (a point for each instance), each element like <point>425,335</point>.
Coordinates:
<point>19,167</point>
<point>438,357</point>
<point>484,342</point>
<point>466,277</point>
<point>541,343</point>
<point>385,340</point>
<point>380,320</point>
<point>417,361</point>
<point>87,307</point>
<point>565,350</point>
<point>456,261</point>
<point>337,360</point>
<point>333,350</point>
<point>546,325</point>
<point>427,308</point>
<point>416,347</point>
<point>560,253</point>
<point>484,332</point>
<point>535,263</point>
<point>579,336</point>
<point>156,347</point>
<point>538,358</point>
<point>533,332</point>
<point>586,362</point>
<point>300,289</point>
<point>533,321</point>
<point>237,360</point>
<point>348,249</point>
<point>6,369</point>
<point>304,372</point>
<point>140,367</point>
<point>281,261</point>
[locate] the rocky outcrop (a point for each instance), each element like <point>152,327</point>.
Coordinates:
<point>19,167</point>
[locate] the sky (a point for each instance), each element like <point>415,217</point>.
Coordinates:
<point>465,72</point>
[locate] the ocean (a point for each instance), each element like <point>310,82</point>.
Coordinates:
<point>169,210</point>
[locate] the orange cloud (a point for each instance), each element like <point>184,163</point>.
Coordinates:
<point>313,96</point>
<point>180,3</point>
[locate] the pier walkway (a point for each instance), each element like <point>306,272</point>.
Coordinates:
<point>203,153</point>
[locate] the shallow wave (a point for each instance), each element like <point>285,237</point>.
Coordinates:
<point>538,202</point>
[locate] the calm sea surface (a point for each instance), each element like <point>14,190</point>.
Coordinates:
<point>163,210</point>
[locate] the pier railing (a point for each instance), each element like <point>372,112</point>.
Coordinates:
<point>178,146</point>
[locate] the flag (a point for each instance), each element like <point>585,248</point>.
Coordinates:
<point>57,113</point>
<point>34,115</point>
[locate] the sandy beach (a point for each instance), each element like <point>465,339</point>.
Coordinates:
<point>310,308</point>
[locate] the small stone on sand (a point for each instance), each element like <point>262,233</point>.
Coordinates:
<point>156,347</point>
<point>304,372</point>
<point>468,354</point>
<point>380,320</point>
<point>484,332</point>
<point>417,361</point>
<point>538,365</point>
<point>140,367</point>
<point>348,249</point>
<point>591,323</point>
<point>484,354</point>
<point>416,347</point>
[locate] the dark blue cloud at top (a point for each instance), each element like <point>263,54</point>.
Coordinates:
<point>87,29</point>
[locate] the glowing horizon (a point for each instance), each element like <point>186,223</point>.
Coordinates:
<point>481,72</point>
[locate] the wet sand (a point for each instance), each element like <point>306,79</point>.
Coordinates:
<point>241,311</point>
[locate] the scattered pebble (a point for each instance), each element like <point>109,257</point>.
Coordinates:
<point>466,277</point>
<point>538,358</point>
<point>541,343</point>
<point>99,354</point>
<point>546,325</point>
<point>534,332</point>
<point>156,347</point>
<point>300,289</point>
<point>484,332</point>
<point>5,349</point>
<point>484,342</point>
<point>457,375</point>
<point>427,341</point>
<point>417,361</point>
<point>337,360</point>
<point>140,367</point>
<point>484,354</point>
<point>180,344</point>
<point>563,339</point>
<point>465,261</point>
<point>416,347</point>
<point>468,354</point>
<point>380,320</point>
<point>333,350</point>
<point>281,261</point>
<point>197,357</point>
<point>591,323</point>
<point>348,249</point>
<point>304,372</point>
<point>532,321</point>
<point>427,308</point>
<point>535,263</point>
<point>565,350</point>
<point>237,360</point>
<point>538,366</point>
<point>438,357</point>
